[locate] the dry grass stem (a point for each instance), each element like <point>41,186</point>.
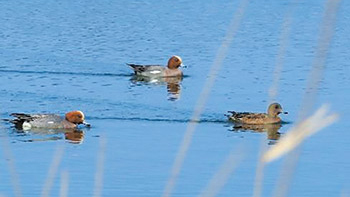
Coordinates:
<point>344,193</point>
<point>52,170</point>
<point>273,91</point>
<point>318,64</point>
<point>64,184</point>
<point>209,83</point>
<point>283,44</point>
<point>10,160</point>
<point>259,174</point>
<point>100,168</point>
<point>223,174</point>
<point>299,133</point>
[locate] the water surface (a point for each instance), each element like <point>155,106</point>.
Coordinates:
<point>61,56</point>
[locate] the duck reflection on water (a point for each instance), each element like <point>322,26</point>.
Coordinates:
<point>173,84</point>
<point>270,129</point>
<point>75,136</point>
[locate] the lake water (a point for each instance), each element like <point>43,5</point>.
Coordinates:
<point>58,56</point>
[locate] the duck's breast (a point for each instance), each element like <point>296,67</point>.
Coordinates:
<point>172,73</point>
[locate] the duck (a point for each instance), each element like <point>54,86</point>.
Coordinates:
<point>171,70</point>
<point>70,120</point>
<point>271,117</point>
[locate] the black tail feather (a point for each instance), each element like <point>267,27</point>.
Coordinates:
<point>20,118</point>
<point>20,115</point>
<point>137,68</point>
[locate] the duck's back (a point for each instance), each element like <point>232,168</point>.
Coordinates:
<point>47,121</point>
<point>50,121</point>
<point>148,70</point>
<point>249,118</point>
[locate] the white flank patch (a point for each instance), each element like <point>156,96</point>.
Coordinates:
<point>26,126</point>
<point>155,72</point>
<point>50,122</point>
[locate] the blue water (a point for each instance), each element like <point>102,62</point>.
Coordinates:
<point>58,56</point>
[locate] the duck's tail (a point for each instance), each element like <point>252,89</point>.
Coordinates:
<point>231,113</point>
<point>20,118</point>
<point>20,115</point>
<point>137,68</point>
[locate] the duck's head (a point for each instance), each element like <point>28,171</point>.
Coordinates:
<point>275,109</point>
<point>174,62</point>
<point>76,117</point>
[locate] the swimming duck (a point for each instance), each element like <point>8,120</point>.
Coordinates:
<point>271,117</point>
<point>50,121</point>
<point>171,70</point>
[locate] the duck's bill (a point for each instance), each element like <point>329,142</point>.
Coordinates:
<point>86,124</point>
<point>183,66</point>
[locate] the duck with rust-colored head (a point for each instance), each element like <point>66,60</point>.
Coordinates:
<point>271,117</point>
<point>71,120</point>
<point>171,70</point>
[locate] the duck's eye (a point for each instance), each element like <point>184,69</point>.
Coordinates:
<point>176,60</point>
<point>276,107</point>
<point>80,116</point>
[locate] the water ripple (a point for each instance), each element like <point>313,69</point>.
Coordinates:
<point>66,73</point>
<point>220,121</point>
